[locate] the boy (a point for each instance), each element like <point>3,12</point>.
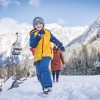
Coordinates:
<point>40,40</point>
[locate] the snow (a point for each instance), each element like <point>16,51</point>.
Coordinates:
<point>98,18</point>
<point>97,64</point>
<point>8,84</point>
<point>92,31</point>
<point>1,81</point>
<point>68,88</point>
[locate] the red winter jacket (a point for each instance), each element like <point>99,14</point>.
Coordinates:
<point>57,59</point>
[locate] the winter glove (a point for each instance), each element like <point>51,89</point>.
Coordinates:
<point>38,36</point>
<point>62,48</point>
<point>41,32</point>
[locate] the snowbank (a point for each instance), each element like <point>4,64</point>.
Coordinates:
<point>68,88</point>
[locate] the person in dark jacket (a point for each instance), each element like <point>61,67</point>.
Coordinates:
<point>56,63</point>
<point>40,40</point>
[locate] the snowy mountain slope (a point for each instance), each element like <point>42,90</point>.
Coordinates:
<point>76,40</point>
<point>68,88</point>
<point>87,37</point>
<point>93,32</point>
<point>91,35</point>
<point>94,48</point>
<point>66,34</point>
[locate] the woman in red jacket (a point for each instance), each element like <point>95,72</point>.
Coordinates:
<point>56,63</point>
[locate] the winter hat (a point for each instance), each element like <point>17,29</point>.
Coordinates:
<point>37,20</point>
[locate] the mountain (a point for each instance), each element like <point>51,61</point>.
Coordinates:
<point>83,51</point>
<point>92,33</point>
<point>66,34</point>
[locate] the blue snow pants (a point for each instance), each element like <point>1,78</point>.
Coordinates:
<point>43,73</point>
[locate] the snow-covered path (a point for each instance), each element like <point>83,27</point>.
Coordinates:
<point>68,88</point>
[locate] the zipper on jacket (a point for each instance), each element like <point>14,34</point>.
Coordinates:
<point>51,50</point>
<point>42,43</point>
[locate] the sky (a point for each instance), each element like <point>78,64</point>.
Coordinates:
<point>64,12</point>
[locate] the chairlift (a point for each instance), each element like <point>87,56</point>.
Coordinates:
<point>16,47</point>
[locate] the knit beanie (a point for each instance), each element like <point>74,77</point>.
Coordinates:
<point>37,20</point>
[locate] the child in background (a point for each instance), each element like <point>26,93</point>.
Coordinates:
<point>56,63</point>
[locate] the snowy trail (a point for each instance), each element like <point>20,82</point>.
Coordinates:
<point>68,88</point>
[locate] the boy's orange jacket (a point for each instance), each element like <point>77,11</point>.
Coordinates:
<point>44,47</point>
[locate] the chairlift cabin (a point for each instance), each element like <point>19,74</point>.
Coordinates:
<point>16,47</point>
